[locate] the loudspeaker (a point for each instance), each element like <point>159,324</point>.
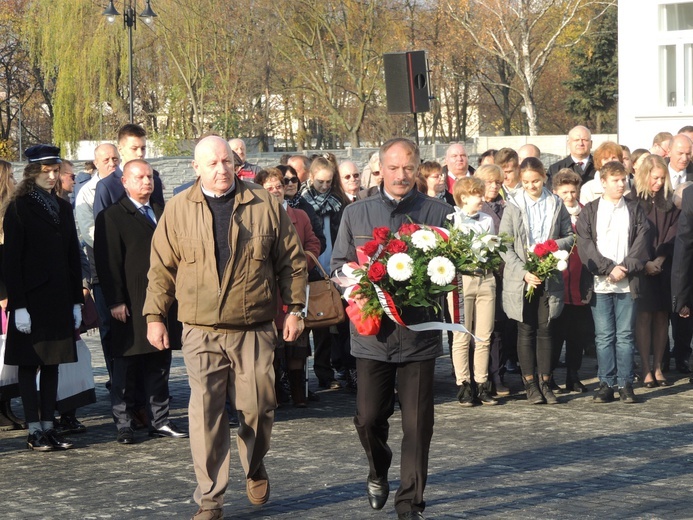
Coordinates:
<point>406,82</point>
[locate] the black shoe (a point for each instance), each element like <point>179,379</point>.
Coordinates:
<point>683,367</point>
<point>342,374</point>
<point>573,384</point>
<point>411,515</point>
<point>499,389</point>
<point>313,397</point>
<point>125,436</point>
<point>604,394</point>
<point>534,395</point>
<point>545,389</point>
<point>169,430</point>
<point>554,386</point>
<point>377,491</point>
<point>465,395</point>
<point>58,442</point>
<point>332,384</point>
<point>485,394</point>
<point>69,424</point>
<point>37,441</point>
<point>627,395</point>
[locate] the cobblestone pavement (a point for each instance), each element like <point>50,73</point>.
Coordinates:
<point>576,460</point>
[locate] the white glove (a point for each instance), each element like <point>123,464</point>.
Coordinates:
<point>77,314</point>
<point>22,321</point>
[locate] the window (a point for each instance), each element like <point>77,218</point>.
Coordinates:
<point>676,17</point>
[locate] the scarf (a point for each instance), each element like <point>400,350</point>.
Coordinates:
<point>323,203</point>
<point>48,202</point>
<point>295,201</point>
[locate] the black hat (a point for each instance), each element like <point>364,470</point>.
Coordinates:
<point>43,154</point>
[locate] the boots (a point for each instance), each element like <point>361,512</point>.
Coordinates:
<point>545,387</point>
<point>298,391</point>
<point>533,394</point>
<point>484,393</point>
<point>573,384</point>
<point>8,421</point>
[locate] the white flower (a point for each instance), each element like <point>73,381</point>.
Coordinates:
<point>441,270</point>
<point>477,245</point>
<point>399,266</point>
<point>562,265</point>
<point>491,241</point>
<point>423,239</point>
<point>561,254</point>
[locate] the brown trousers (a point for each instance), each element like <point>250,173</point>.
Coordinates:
<point>237,364</point>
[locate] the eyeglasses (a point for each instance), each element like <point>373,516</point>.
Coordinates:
<point>348,177</point>
<point>288,180</point>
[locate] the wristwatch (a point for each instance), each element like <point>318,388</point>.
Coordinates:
<point>298,314</point>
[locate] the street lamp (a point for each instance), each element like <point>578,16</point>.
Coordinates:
<point>130,22</point>
<point>523,109</point>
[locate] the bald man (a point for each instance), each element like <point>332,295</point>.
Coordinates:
<point>226,294</point>
<point>580,159</point>
<point>680,152</point>
<point>528,150</point>
<point>456,164</point>
<point>248,171</point>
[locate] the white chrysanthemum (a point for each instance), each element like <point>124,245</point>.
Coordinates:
<point>562,265</point>
<point>491,241</point>
<point>441,270</point>
<point>561,254</point>
<point>423,239</point>
<point>399,266</point>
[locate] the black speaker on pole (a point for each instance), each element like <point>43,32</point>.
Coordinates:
<point>406,82</point>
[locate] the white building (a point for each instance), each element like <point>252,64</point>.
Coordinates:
<point>655,69</point>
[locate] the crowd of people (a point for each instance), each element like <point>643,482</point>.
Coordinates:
<point>220,270</point>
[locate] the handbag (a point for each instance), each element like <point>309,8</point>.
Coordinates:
<point>323,301</point>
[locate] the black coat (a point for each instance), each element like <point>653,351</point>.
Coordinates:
<point>567,162</point>
<point>122,243</point>
<point>42,271</point>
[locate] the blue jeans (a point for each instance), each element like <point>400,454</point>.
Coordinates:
<point>613,315</point>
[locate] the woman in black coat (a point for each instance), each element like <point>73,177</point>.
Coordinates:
<point>42,271</point>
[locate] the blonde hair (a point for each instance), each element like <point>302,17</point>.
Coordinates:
<point>643,173</point>
<point>489,172</point>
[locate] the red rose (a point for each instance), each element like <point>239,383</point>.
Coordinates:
<point>370,248</point>
<point>408,229</point>
<point>381,234</point>
<point>376,272</point>
<point>551,246</point>
<point>396,246</point>
<point>541,250</point>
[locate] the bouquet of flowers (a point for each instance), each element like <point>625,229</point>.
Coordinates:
<point>472,252</point>
<point>410,268</point>
<point>543,260</point>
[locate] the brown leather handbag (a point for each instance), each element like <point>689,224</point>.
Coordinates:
<point>324,303</point>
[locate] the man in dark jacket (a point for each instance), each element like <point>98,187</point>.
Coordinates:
<point>122,243</point>
<point>396,353</point>
<point>580,159</point>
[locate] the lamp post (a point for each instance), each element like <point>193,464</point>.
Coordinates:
<point>130,22</point>
<point>523,109</point>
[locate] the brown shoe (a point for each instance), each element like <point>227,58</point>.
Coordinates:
<point>208,514</point>
<point>258,488</point>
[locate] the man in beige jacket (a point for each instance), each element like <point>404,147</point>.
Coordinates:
<point>222,248</point>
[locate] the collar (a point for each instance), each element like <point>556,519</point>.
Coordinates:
<point>215,195</point>
<point>584,161</point>
<point>137,204</point>
<point>621,203</point>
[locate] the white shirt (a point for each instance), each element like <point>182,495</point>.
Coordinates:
<point>481,225</point>
<point>84,210</point>
<point>676,178</point>
<point>613,223</point>
<point>538,218</point>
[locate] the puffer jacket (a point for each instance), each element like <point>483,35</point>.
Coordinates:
<point>266,254</point>
<point>394,343</point>
<point>515,223</point>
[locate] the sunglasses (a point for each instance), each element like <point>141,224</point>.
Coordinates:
<point>288,180</point>
<point>348,177</point>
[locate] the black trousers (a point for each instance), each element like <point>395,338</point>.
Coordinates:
<point>682,330</point>
<point>575,327</point>
<point>534,335</point>
<point>38,407</point>
<point>375,405</point>
<point>322,354</point>
<point>154,370</point>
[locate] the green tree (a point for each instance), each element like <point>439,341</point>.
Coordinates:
<point>594,83</point>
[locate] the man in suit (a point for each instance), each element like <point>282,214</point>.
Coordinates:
<point>456,164</point>
<point>122,245</point>
<point>132,144</point>
<point>680,151</point>
<point>580,159</point>
<point>350,178</point>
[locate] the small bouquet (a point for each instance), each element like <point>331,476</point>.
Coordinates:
<point>472,252</point>
<point>410,268</point>
<point>543,260</point>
